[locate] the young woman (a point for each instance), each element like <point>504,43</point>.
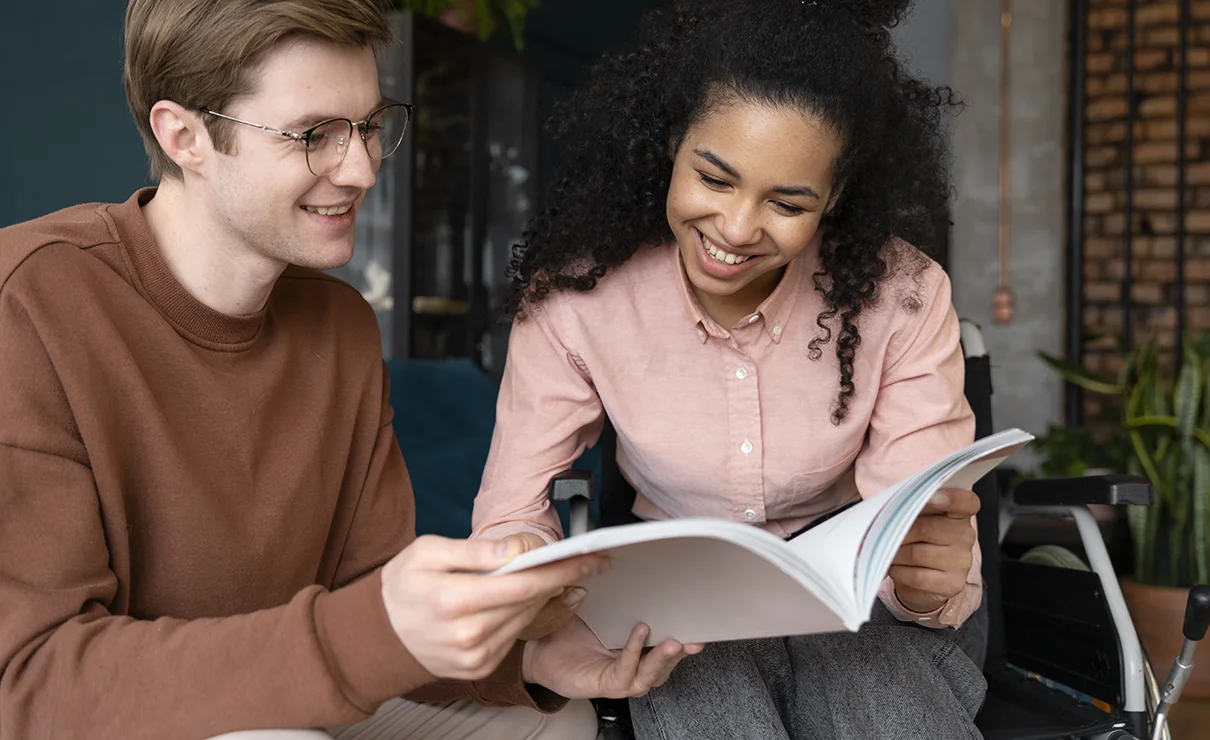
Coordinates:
<point>728,269</point>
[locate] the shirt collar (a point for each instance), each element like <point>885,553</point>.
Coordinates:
<point>775,310</point>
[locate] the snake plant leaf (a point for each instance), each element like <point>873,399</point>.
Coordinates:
<point>1149,467</point>
<point>1077,375</point>
<point>1201,345</point>
<point>1144,523</point>
<point>1165,415</point>
<point>1168,422</point>
<point>1187,397</point>
<point>1155,396</point>
<point>1179,515</point>
<point>1201,515</point>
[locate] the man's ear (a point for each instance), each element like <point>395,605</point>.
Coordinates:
<point>180,134</point>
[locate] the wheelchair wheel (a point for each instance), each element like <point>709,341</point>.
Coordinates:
<point>1152,694</point>
<point>1054,556</point>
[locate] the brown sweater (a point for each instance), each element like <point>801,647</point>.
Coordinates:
<point>194,507</point>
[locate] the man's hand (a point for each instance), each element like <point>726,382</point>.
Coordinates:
<point>458,623</point>
<point>559,610</point>
<point>931,566</point>
<point>573,663</point>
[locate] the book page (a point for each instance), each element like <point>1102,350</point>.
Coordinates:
<point>831,548</point>
<point>959,470</point>
<point>700,590</point>
<point>695,580</point>
<point>707,580</point>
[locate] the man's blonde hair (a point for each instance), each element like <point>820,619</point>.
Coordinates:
<point>205,53</point>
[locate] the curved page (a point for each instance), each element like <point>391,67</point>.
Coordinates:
<point>962,469</point>
<point>693,580</point>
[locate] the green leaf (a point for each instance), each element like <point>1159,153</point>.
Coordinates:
<point>1204,421</point>
<point>1178,529</point>
<point>1201,515</point>
<point>1136,517</point>
<point>1187,397</point>
<point>1079,376</point>
<point>1149,468</point>
<point>1154,420</point>
<point>1201,345</point>
<point>1167,422</point>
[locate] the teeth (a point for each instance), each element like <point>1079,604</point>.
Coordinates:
<point>721,255</point>
<point>337,211</point>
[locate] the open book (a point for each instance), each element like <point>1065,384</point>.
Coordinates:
<point>708,580</point>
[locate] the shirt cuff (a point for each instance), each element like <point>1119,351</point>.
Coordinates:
<point>949,614</point>
<point>504,529</point>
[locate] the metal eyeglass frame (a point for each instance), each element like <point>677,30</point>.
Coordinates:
<point>305,136</point>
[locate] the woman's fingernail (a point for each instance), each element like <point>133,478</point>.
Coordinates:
<point>504,547</point>
<point>941,498</point>
<point>573,596</point>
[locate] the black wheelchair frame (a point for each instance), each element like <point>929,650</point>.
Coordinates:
<point>1063,659</point>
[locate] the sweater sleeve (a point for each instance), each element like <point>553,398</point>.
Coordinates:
<point>69,666</point>
<point>384,525</point>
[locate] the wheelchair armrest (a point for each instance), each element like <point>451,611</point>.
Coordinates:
<point>577,488</point>
<point>572,484</point>
<point>1093,489</point>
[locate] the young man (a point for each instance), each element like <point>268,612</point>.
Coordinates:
<point>206,524</point>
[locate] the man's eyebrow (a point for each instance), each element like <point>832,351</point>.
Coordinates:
<point>804,191</point>
<point>308,120</point>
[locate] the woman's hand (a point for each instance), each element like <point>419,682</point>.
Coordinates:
<point>573,663</point>
<point>560,610</point>
<point>932,564</point>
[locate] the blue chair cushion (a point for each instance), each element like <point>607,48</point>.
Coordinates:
<point>445,411</point>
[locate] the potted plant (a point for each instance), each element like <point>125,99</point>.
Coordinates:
<point>1165,416</point>
<point>481,17</point>
<point>1068,452</point>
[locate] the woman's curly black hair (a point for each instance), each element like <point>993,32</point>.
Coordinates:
<point>834,59</point>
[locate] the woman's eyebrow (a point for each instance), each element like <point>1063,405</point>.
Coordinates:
<point>803,191</point>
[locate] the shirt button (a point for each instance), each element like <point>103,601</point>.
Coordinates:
<point>750,514</point>
<point>752,319</point>
<point>746,447</point>
<point>741,373</point>
<point>777,331</point>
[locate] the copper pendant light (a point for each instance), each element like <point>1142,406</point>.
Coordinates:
<point>1002,299</point>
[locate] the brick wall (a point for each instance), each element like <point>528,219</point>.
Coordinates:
<point>1153,268</point>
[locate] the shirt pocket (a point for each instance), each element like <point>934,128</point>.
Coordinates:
<point>809,484</point>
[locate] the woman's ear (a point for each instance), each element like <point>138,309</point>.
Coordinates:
<point>180,134</point>
<point>674,145</point>
<point>833,198</point>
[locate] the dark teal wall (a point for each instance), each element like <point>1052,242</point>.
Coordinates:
<point>67,136</point>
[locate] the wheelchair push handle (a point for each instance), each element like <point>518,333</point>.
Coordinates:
<point>1197,613</point>
<point>1197,618</point>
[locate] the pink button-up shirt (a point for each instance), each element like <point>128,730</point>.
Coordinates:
<point>732,422</point>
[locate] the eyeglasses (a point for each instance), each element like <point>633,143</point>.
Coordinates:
<point>327,143</point>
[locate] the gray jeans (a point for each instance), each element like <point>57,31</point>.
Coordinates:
<point>889,681</point>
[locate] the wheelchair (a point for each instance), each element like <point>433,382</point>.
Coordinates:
<point>1063,659</point>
